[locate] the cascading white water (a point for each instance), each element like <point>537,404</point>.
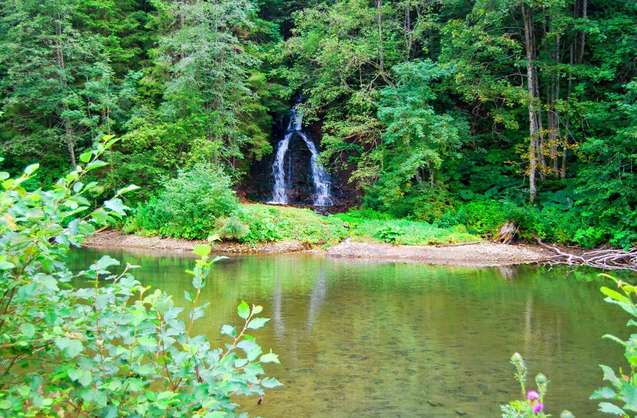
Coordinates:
<point>322,195</point>
<point>279,191</point>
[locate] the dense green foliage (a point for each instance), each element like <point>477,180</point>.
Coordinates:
<point>187,206</point>
<point>423,106</point>
<point>98,343</point>
<point>375,226</point>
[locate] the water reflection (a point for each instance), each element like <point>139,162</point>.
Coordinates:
<point>367,339</point>
<point>317,298</point>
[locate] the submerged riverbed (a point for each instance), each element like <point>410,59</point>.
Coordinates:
<point>387,340</point>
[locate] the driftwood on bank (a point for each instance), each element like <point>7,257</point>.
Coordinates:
<point>607,258</point>
<point>507,233</point>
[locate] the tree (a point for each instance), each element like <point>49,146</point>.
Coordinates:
<point>417,140</point>
<point>48,65</point>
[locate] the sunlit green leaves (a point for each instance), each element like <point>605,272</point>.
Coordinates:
<point>269,358</point>
<point>243,310</point>
<point>109,345</point>
<point>70,347</point>
<point>256,323</point>
<point>201,250</point>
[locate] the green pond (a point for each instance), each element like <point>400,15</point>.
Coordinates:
<point>367,339</point>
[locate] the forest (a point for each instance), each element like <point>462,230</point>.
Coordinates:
<point>448,112</point>
<point>389,142</point>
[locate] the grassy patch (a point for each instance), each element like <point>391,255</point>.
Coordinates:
<point>368,225</point>
<point>257,223</point>
<point>267,223</point>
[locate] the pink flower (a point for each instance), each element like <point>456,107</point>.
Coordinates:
<point>532,395</point>
<point>538,408</point>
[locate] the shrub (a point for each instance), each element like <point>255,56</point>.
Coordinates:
<point>388,233</point>
<point>231,228</point>
<point>268,223</point>
<point>113,348</point>
<point>484,217</point>
<point>189,205</point>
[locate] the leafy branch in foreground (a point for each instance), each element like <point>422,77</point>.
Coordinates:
<point>114,347</point>
<point>620,398</point>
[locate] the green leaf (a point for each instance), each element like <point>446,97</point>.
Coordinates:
<point>251,349</point>
<point>202,250</point>
<point>257,323</point>
<point>116,205</point>
<point>629,396</point>
<point>127,189</point>
<point>83,376</point>
<point>85,157</point>
<point>31,169</point>
<point>609,375</point>
<point>229,330</point>
<point>270,382</point>
<point>70,348</point>
<point>243,310</point>
<point>609,408</point>
<point>603,393</point>
<point>614,295</point>
<point>94,165</point>
<point>104,263</point>
<point>28,330</point>
<point>269,358</point>
<point>5,265</point>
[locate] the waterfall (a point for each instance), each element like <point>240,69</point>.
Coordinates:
<point>322,195</point>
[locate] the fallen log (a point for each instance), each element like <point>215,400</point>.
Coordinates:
<point>607,259</point>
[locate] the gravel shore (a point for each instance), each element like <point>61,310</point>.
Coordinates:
<point>473,254</point>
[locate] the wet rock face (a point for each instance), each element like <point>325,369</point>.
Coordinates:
<point>298,173</point>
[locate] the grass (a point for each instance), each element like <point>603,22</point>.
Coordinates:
<point>366,225</point>
<point>254,223</point>
<point>280,223</point>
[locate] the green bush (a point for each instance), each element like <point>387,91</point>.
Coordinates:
<point>189,205</point>
<point>231,229</point>
<point>388,233</point>
<point>381,227</point>
<point>270,223</point>
<point>484,217</point>
<point>550,223</point>
<point>112,347</point>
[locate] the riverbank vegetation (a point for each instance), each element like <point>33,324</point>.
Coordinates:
<point>455,113</point>
<point>199,204</point>
<point>112,347</point>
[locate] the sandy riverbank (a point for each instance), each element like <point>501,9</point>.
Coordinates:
<point>475,254</point>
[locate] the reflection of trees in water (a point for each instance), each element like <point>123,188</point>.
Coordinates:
<point>317,298</point>
<point>508,272</point>
<point>277,302</point>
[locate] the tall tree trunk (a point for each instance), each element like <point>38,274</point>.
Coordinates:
<point>408,32</point>
<point>534,125</point>
<point>379,22</point>
<point>69,136</point>
<point>553,114</point>
<point>581,35</point>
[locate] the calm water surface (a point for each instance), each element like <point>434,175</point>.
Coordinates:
<point>389,340</point>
